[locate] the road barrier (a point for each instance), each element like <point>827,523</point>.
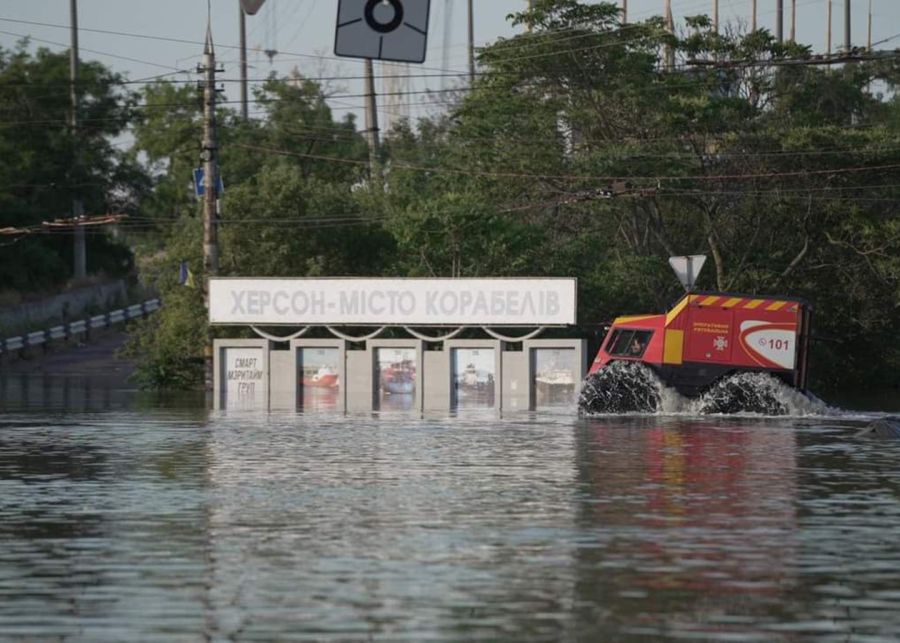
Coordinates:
<point>80,327</point>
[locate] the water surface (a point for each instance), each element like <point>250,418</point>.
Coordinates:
<point>130,517</point>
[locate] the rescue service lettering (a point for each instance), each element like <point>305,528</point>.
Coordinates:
<point>398,303</point>
<point>711,327</point>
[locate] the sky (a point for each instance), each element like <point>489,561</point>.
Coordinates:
<point>302,31</point>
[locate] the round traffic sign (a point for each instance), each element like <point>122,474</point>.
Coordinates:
<point>378,25</point>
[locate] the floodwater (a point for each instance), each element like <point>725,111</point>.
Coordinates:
<point>131,517</point>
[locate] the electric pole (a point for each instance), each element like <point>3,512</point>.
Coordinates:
<point>829,27</point>
<point>716,16</point>
<point>869,36</point>
<point>371,120</point>
<point>210,161</point>
<point>624,12</point>
<point>793,20</point>
<point>211,188</point>
<point>243,43</point>
<point>847,26</point>
<point>79,249</point>
<point>670,26</point>
<point>753,12</point>
<point>779,21</point>
<point>471,46</point>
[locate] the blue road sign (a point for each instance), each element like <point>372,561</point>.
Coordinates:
<point>200,183</point>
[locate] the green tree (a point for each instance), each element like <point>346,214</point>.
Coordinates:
<point>44,164</point>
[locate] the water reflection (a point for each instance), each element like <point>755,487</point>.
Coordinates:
<point>687,509</point>
<point>146,519</point>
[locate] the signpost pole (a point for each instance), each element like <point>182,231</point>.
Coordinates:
<point>371,120</point>
<point>690,274</point>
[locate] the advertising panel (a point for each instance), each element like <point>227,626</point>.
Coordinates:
<point>319,378</point>
<point>244,375</point>
<point>474,377</point>
<point>402,302</point>
<point>556,377</point>
<point>396,378</point>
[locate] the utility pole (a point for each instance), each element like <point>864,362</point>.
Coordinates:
<point>371,120</point>
<point>779,20</point>
<point>471,46</point>
<point>793,20</point>
<point>210,161</point>
<point>869,36</point>
<point>847,26</point>
<point>829,27</point>
<point>243,26</point>
<point>624,12</point>
<point>753,12</point>
<point>211,188</point>
<point>716,16</point>
<point>79,249</point>
<point>670,26</point>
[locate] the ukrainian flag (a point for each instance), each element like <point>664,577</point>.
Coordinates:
<point>185,276</point>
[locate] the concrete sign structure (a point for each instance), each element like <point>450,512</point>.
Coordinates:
<point>382,29</point>
<point>401,302</point>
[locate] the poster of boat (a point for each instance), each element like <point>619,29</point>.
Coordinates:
<point>555,377</point>
<point>474,374</point>
<point>319,378</point>
<point>396,378</point>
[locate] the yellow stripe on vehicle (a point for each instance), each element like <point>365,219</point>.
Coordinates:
<point>709,301</point>
<point>674,346</point>
<point>731,303</point>
<point>754,303</point>
<point>679,307</point>
<point>632,318</point>
<point>775,305</point>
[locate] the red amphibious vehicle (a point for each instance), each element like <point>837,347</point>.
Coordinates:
<point>706,337</point>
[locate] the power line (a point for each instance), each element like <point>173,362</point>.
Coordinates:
<point>574,177</point>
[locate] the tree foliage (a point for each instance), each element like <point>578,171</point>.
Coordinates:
<point>44,164</point>
<point>578,151</point>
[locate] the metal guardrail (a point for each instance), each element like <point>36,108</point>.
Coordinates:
<point>80,327</point>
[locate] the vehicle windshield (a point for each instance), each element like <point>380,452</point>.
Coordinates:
<point>626,342</point>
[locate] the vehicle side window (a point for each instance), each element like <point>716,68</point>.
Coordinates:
<point>629,343</point>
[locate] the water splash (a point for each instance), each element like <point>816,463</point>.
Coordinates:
<point>760,393</point>
<point>632,387</point>
<point>622,387</point>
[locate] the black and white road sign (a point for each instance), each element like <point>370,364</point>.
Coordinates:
<point>382,29</point>
<point>688,269</point>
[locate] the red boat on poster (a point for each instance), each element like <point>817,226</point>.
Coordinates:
<point>323,377</point>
